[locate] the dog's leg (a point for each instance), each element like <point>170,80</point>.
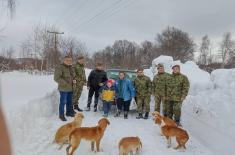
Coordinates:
<point>98,145</point>
<point>61,145</point>
<point>92,145</point>
<point>138,150</point>
<point>178,142</point>
<point>168,141</point>
<point>74,147</point>
<point>131,152</point>
<point>67,149</point>
<point>183,145</point>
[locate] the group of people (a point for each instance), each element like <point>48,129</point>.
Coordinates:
<point>168,89</point>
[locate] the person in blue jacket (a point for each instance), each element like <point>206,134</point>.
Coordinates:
<point>124,91</point>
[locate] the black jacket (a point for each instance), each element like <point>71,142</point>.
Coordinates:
<point>96,77</point>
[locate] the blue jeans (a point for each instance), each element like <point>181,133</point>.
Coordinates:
<point>66,99</point>
<point>106,107</point>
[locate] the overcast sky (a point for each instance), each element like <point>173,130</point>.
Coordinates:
<point>137,20</point>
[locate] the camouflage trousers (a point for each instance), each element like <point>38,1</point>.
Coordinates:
<point>143,104</point>
<point>77,91</point>
<point>174,109</point>
<point>165,104</point>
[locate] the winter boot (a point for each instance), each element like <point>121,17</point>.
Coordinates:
<point>95,109</point>
<point>88,109</point>
<point>146,116</point>
<point>179,124</point>
<point>70,115</point>
<point>140,116</point>
<point>117,114</point>
<point>125,115</point>
<point>76,107</point>
<point>62,118</point>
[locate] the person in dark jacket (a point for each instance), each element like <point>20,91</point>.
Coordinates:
<point>124,91</point>
<point>96,80</point>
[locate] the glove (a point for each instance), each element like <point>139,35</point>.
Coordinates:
<point>101,84</point>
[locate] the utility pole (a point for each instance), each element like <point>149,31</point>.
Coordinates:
<point>55,58</point>
<point>55,37</point>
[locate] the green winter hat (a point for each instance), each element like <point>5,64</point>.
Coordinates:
<point>175,66</point>
<point>160,65</point>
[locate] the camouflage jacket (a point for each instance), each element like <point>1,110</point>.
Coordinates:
<point>64,77</point>
<point>80,75</point>
<point>143,86</point>
<point>160,84</point>
<point>178,87</point>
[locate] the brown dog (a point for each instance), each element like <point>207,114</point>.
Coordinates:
<point>162,119</point>
<point>62,134</point>
<point>180,134</point>
<point>93,134</point>
<point>129,145</point>
<point>169,129</point>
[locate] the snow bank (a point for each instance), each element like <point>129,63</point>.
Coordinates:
<point>223,78</point>
<point>19,88</point>
<point>208,110</point>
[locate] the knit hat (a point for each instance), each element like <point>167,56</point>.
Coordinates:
<point>175,66</point>
<point>110,81</point>
<point>160,65</point>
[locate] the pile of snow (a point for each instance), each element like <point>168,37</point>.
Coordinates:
<point>223,78</point>
<point>208,109</point>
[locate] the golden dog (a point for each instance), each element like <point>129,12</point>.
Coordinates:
<point>180,134</point>
<point>62,134</point>
<point>129,145</point>
<point>93,134</point>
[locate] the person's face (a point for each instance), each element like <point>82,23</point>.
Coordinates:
<point>176,70</point>
<point>109,84</point>
<point>140,73</point>
<point>121,76</point>
<point>99,67</point>
<point>160,70</point>
<point>68,61</point>
<point>81,61</point>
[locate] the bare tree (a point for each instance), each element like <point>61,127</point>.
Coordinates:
<point>147,53</point>
<point>176,43</point>
<point>71,46</point>
<point>10,5</point>
<point>205,51</point>
<point>227,48</point>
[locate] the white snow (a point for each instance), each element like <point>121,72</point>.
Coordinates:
<point>30,104</point>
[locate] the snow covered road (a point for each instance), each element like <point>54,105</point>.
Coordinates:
<point>33,123</point>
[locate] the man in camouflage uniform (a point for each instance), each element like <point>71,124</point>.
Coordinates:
<point>64,76</point>
<point>177,91</point>
<point>160,89</point>
<point>80,78</point>
<point>143,87</point>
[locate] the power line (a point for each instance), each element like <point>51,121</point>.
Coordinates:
<point>110,7</point>
<point>85,14</point>
<point>71,11</point>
